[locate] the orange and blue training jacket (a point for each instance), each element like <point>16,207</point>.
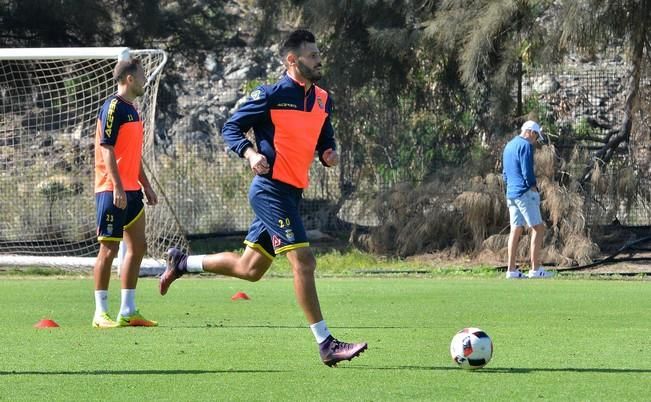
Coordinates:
<point>289,125</point>
<point>119,125</point>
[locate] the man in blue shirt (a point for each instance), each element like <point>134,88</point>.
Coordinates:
<point>523,199</point>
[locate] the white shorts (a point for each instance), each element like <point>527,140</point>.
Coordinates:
<point>525,209</point>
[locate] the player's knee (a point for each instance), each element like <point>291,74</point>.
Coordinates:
<point>539,228</point>
<point>305,266</point>
<point>108,250</point>
<point>253,273</point>
<point>140,248</point>
<point>254,276</point>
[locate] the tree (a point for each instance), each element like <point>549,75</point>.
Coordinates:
<point>490,40</point>
<point>179,26</point>
<point>36,23</point>
<point>598,24</point>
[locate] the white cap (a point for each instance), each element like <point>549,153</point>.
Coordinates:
<point>535,127</point>
<point>531,125</point>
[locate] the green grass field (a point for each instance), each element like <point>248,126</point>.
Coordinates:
<point>554,340</point>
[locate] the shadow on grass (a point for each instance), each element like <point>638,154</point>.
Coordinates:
<point>137,372</point>
<point>512,370</point>
<point>272,326</point>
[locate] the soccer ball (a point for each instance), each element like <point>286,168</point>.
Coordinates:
<point>471,348</point>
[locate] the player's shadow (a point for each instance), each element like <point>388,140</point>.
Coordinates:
<point>510,370</point>
<point>522,370</point>
<point>135,372</point>
<point>274,326</point>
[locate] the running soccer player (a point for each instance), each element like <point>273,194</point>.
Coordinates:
<point>290,119</point>
<point>119,184</point>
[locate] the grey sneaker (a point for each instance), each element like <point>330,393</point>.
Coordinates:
<point>176,267</point>
<point>540,273</point>
<point>333,351</point>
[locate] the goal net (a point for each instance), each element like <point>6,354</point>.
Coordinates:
<point>49,103</point>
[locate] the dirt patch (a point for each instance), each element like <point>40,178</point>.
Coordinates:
<point>627,262</point>
<point>623,267</point>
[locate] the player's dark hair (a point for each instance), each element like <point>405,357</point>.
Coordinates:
<point>295,40</point>
<point>124,68</point>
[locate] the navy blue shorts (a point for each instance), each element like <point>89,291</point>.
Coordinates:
<point>111,220</point>
<point>277,226</point>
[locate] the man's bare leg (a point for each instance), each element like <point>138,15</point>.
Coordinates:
<point>303,265</point>
<point>514,241</point>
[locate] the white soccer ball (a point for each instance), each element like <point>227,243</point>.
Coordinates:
<point>471,348</point>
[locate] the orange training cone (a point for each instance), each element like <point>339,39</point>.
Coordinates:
<point>240,295</point>
<point>46,323</point>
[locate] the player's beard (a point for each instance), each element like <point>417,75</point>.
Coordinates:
<point>139,91</point>
<point>310,74</point>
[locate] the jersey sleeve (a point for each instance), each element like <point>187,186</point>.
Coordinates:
<point>110,121</point>
<point>526,163</point>
<point>251,112</point>
<point>505,177</point>
<point>327,137</point>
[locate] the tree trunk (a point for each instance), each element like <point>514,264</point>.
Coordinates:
<point>520,73</point>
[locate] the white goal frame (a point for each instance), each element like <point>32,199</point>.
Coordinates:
<point>63,53</point>
<point>149,266</point>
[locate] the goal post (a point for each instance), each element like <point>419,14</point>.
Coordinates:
<point>49,102</point>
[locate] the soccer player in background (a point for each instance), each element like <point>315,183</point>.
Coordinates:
<point>119,184</point>
<point>291,120</point>
<point>523,199</point>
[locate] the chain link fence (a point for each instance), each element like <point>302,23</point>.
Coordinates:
<point>585,105</point>
<point>207,184</point>
<point>381,144</point>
